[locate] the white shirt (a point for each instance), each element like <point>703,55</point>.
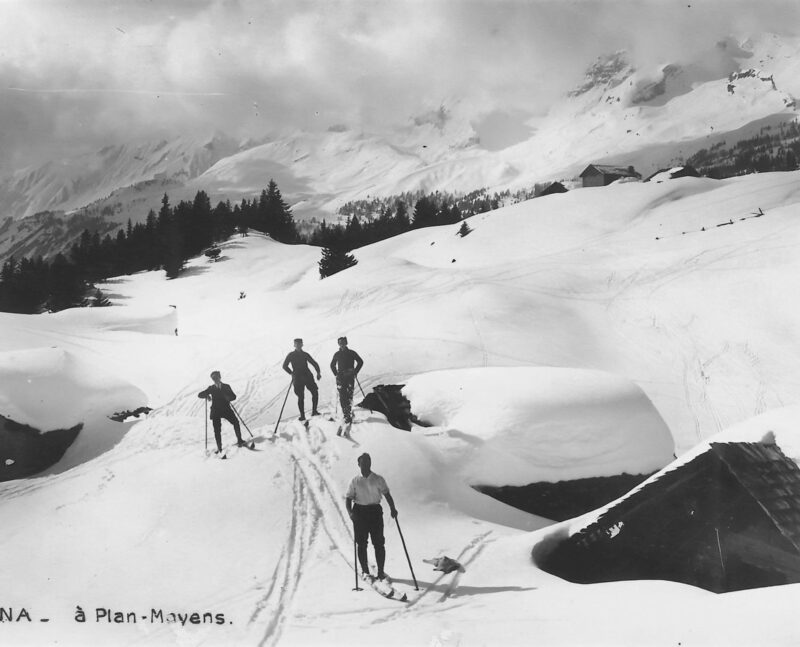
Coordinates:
<point>367,490</point>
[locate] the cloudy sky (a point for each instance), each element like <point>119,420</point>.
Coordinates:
<point>79,74</point>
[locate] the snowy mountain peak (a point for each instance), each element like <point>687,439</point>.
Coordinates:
<point>625,112</point>
<point>606,72</point>
<point>78,181</point>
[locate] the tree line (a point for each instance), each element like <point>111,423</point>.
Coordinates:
<point>165,240</point>
<point>371,220</point>
<point>168,238</point>
<point>338,239</point>
<point>774,148</point>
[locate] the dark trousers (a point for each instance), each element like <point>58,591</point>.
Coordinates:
<point>301,383</point>
<point>368,522</point>
<point>345,385</point>
<point>216,421</point>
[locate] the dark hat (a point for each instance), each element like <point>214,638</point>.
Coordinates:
<point>341,340</point>
<point>213,373</point>
<point>298,339</point>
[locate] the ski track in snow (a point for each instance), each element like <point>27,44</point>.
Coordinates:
<point>318,510</point>
<point>275,606</point>
<point>316,507</point>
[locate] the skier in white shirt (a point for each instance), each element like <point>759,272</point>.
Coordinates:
<point>363,501</point>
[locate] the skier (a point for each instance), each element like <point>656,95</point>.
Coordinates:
<point>346,364</point>
<point>363,502</point>
<point>221,396</point>
<point>302,378</point>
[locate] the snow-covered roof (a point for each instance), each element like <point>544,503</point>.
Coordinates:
<point>607,169</point>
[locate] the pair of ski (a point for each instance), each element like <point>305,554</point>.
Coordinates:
<point>384,587</point>
<point>344,430</point>
<point>248,444</point>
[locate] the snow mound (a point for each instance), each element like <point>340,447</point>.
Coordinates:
<point>50,388</point>
<point>524,425</point>
<point>148,320</point>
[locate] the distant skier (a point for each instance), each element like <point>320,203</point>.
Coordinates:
<point>363,502</point>
<point>346,364</point>
<point>221,396</point>
<point>302,378</point>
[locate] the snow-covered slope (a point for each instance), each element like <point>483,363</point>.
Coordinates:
<point>634,280</point>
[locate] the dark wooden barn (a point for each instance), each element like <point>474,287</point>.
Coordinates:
<point>680,171</point>
<point>389,400</point>
<point>555,187</point>
<point>603,174</point>
<point>727,520</point>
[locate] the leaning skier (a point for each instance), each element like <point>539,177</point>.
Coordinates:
<point>363,502</point>
<point>221,396</point>
<point>302,378</point>
<point>346,364</point>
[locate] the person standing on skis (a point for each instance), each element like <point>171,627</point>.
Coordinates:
<point>302,378</point>
<point>363,502</point>
<point>346,364</point>
<point>221,396</point>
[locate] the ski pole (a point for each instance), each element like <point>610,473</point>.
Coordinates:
<point>355,564</point>
<point>360,387</point>
<point>241,420</point>
<point>206,418</point>
<point>335,415</point>
<point>414,577</point>
<point>280,415</point>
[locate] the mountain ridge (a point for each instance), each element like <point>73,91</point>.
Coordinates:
<point>657,116</point>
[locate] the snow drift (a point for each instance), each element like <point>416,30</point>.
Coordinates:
<point>50,388</point>
<point>522,425</point>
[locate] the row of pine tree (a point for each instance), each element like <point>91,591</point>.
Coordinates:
<point>167,239</point>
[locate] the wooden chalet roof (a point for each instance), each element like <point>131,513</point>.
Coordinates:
<point>771,477</point>
<point>763,470</point>
<point>554,187</point>
<point>607,169</point>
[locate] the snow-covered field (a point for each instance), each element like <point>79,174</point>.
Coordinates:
<point>598,330</point>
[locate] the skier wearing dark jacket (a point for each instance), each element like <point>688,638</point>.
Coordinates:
<point>363,502</point>
<point>302,378</point>
<point>346,364</point>
<point>221,396</point>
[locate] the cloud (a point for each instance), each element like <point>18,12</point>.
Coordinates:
<point>83,73</point>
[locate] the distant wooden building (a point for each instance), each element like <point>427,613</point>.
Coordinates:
<point>727,520</point>
<point>675,173</point>
<point>603,174</point>
<point>555,187</point>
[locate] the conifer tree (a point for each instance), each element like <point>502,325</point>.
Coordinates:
<point>66,288</point>
<point>424,213</point>
<point>277,215</point>
<point>334,259</point>
<point>401,220</point>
